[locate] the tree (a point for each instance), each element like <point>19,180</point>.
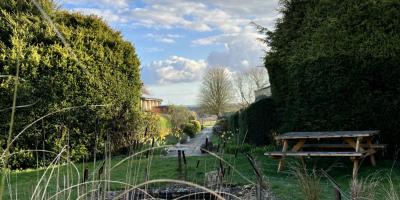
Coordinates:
<point>216,91</point>
<point>248,81</point>
<point>179,115</point>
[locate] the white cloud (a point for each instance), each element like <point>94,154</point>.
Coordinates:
<point>242,50</point>
<point>101,3</point>
<point>177,69</point>
<point>165,38</point>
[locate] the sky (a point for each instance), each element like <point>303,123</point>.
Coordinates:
<point>177,40</point>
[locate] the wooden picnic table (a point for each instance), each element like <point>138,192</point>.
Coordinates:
<point>358,145</point>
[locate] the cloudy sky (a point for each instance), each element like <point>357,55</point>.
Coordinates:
<point>177,40</point>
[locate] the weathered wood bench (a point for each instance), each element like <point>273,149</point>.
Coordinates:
<point>360,142</point>
<point>313,153</point>
<point>342,146</point>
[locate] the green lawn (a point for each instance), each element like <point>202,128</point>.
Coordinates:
<point>284,185</point>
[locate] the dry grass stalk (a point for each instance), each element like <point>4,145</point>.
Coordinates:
<point>309,183</point>
<point>364,189</point>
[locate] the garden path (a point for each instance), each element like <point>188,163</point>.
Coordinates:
<point>192,147</point>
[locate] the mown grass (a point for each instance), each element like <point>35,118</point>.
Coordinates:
<point>284,185</point>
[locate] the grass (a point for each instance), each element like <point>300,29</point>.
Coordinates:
<point>208,124</point>
<point>284,185</point>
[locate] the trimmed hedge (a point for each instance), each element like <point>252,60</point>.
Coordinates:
<point>334,65</point>
<point>103,70</point>
<point>256,123</point>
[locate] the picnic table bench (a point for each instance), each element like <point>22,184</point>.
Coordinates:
<point>357,145</point>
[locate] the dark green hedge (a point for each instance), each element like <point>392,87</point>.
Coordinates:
<point>100,69</point>
<point>256,123</point>
<point>335,65</point>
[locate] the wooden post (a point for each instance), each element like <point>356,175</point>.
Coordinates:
<point>197,165</point>
<point>282,161</point>
<point>184,157</point>
<point>180,163</point>
<point>85,175</point>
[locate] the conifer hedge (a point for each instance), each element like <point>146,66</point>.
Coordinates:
<point>98,68</point>
<point>335,65</point>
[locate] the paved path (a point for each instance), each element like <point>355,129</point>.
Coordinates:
<point>192,148</point>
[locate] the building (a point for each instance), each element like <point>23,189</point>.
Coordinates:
<point>149,103</point>
<point>160,109</point>
<point>263,93</point>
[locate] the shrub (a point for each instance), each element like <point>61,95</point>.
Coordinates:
<point>256,123</point>
<point>197,125</point>
<point>189,129</point>
<point>183,139</point>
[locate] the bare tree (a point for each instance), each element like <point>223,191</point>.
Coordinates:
<point>259,76</point>
<point>249,81</point>
<point>244,88</point>
<point>216,91</point>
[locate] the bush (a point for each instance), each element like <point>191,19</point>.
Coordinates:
<point>255,124</point>
<point>189,129</point>
<point>183,139</point>
<point>197,125</point>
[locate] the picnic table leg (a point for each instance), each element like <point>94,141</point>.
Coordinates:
<point>372,156</point>
<point>282,159</point>
<point>355,167</point>
<point>356,160</point>
<point>297,147</point>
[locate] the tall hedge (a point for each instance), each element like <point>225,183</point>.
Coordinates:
<point>256,123</point>
<point>100,68</point>
<point>335,65</point>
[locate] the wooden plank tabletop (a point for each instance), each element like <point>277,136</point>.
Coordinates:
<point>326,134</point>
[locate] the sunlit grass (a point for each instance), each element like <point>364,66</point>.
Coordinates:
<point>166,168</point>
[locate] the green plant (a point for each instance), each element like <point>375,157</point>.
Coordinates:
<point>255,124</point>
<point>197,125</point>
<point>93,65</point>
<point>189,129</point>
<point>328,72</point>
<point>391,192</point>
<point>309,183</point>
<point>178,115</point>
<point>364,188</point>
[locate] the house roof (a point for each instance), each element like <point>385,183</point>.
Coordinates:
<point>149,98</point>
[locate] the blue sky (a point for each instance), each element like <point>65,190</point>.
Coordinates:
<point>177,40</point>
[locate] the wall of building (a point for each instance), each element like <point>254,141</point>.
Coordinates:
<point>149,104</point>
<point>262,93</point>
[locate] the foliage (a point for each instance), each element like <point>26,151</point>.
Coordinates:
<point>165,126</point>
<point>255,124</point>
<point>334,65</point>
<point>216,91</point>
<point>364,188</point>
<point>191,128</point>
<point>178,116</point>
<point>155,127</point>
<point>197,125</point>
<point>96,67</point>
<point>309,183</point>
